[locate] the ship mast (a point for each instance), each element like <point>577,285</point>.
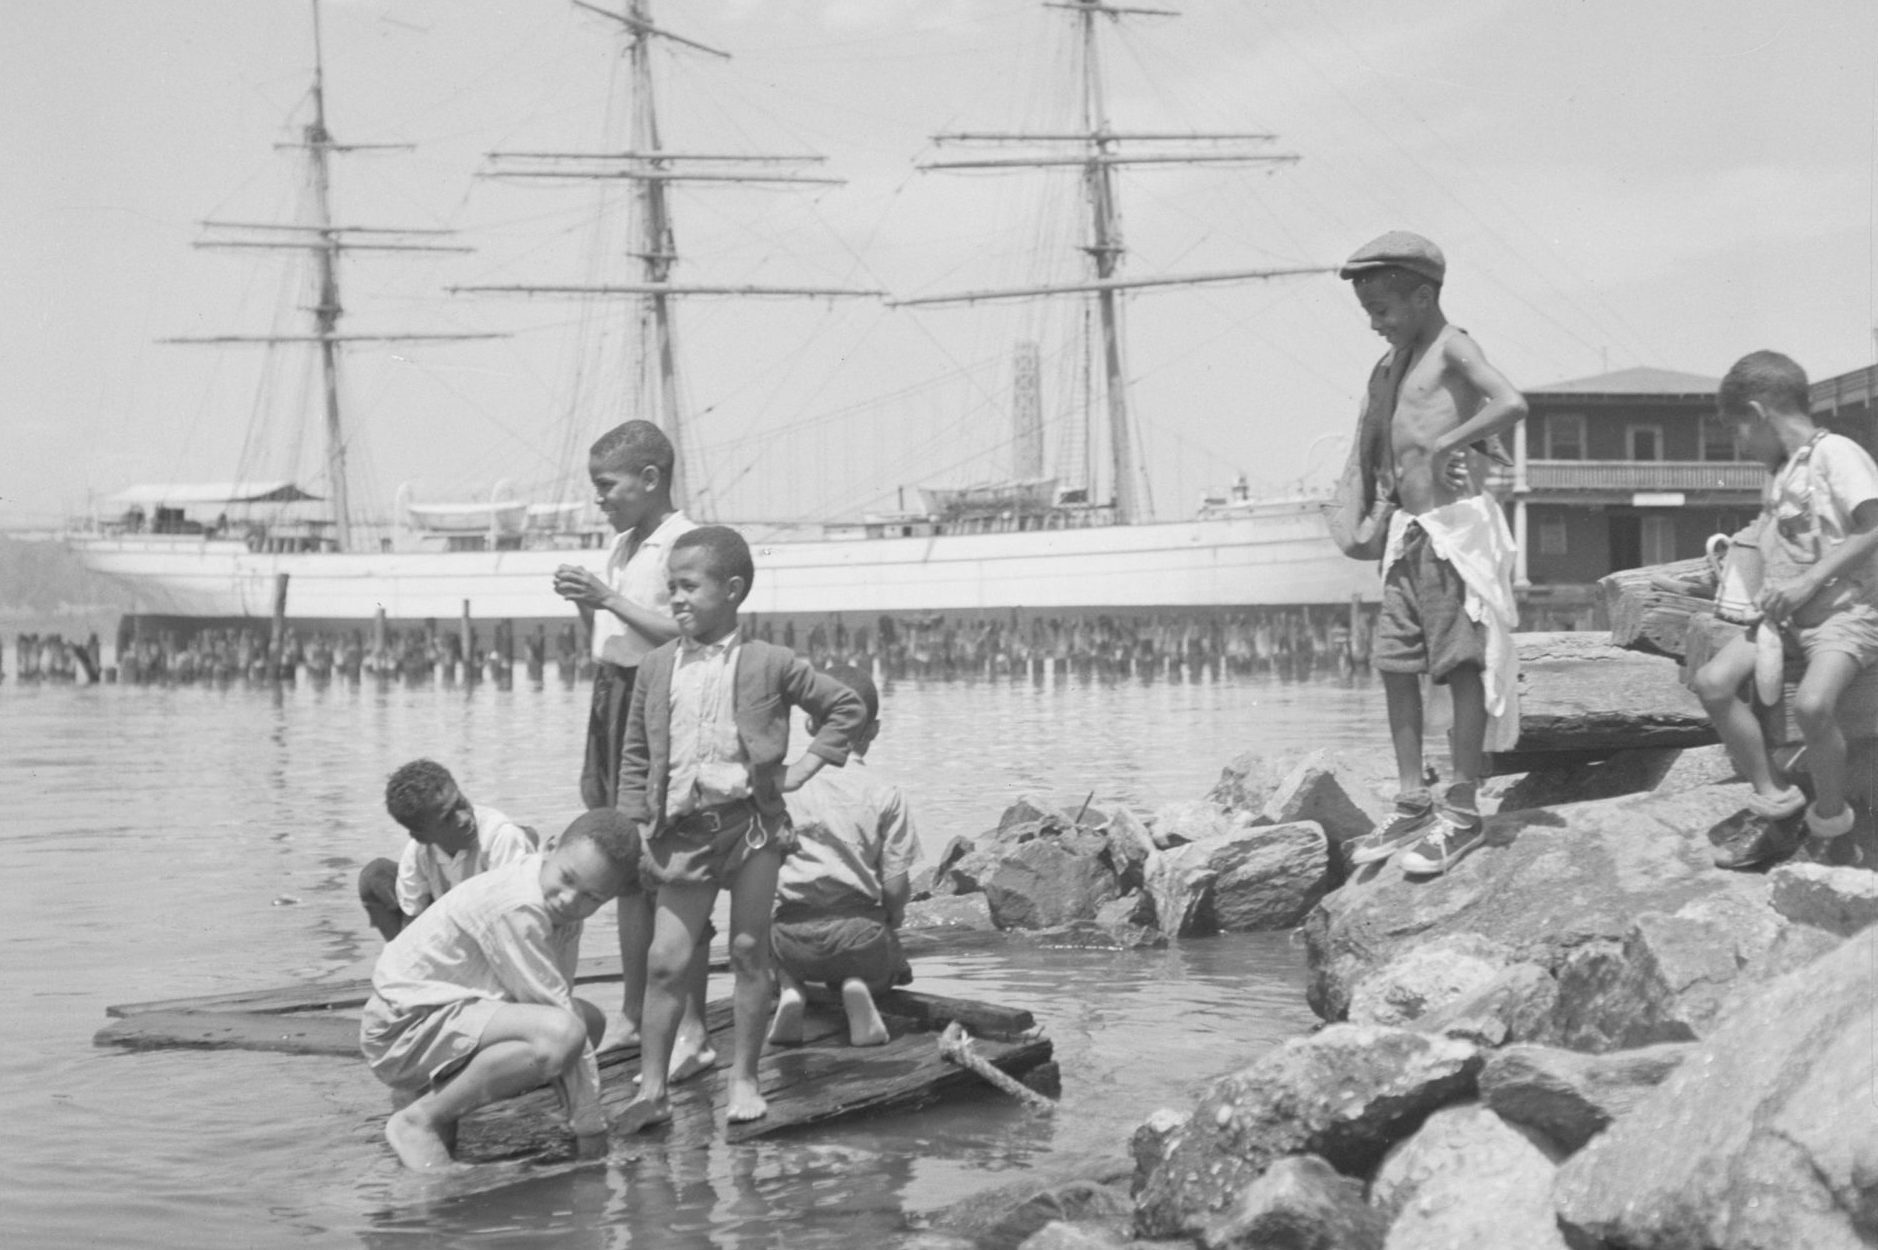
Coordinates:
<point>1099,154</point>
<point>325,242</point>
<point>650,168</point>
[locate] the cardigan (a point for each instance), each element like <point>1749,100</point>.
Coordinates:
<point>770,680</point>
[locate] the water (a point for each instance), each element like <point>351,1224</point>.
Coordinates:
<point>165,843</point>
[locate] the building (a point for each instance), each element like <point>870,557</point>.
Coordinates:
<point>1617,471</point>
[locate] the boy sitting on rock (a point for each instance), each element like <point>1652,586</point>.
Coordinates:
<point>1819,556</point>
<point>843,892</point>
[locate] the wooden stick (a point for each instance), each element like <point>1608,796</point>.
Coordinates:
<point>955,1044</point>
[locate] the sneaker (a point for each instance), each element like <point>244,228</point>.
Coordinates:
<point>1410,819</point>
<point>1748,839</point>
<point>1445,846</point>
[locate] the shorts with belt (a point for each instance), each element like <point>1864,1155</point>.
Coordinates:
<point>708,847</point>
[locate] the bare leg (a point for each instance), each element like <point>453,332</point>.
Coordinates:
<point>681,916</point>
<point>1816,708</point>
<point>524,1045</point>
<point>786,1028</point>
<point>1469,736</point>
<point>865,1027</point>
<point>635,940</point>
<point>1718,686</point>
<point>691,1050</point>
<point>752,897</point>
<point>1403,694</point>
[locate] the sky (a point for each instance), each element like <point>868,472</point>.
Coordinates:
<point>1615,184</point>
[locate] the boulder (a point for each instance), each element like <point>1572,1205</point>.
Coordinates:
<point>1563,888</point>
<point>1468,1180</point>
<point>1424,977</point>
<point>1057,877</point>
<point>939,879</point>
<point>1195,820</point>
<point>1312,791</point>
<point>1769,1118</point>
<point>1838,900</point>
<point>1267,877</point>
<point>951,911</point>
<point>1300,1203</point>
<point>1079,1235</point>
<point>1344,1093</point>
<point>1130,846</point>
<point>1516,1004</point>
<point>1150,1142</point>
<point>1004,1217</point>
<point>1572,1097</point>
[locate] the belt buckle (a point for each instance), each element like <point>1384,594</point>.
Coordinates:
<point>713,822</point>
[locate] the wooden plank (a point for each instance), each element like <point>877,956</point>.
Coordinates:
<point>1649,607</point>
<point>298,1033</point>
<point>1580,693</point>
<point>927,1011</point>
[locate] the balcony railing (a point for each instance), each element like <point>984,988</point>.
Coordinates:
<point>1639,475</point>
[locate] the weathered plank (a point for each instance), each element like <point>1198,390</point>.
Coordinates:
<point>928,1011</point>
<point>292,1033</point>
<point>1648,607</point>
<point>1578,692</point>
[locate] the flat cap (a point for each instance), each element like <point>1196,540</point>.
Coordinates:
<point>1403,249</point>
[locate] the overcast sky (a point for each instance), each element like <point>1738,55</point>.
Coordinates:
<point>1616,183</point>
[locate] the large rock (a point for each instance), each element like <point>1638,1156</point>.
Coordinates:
<point>1002,1218</point>
<point>1130,845</point>
<point>1193,820</point>
<point>1060,876</point>
<point>1763,1137</point>
<point>951,911</point>
<point>1516,1004</point>
<point>1838,900</point>
<point>1267,877</point>
<point>1563,888</point>
<point>1313,791</point>
<point>1344,1093</point>
<point>1572,1097</point>
<point>1079,1235</point>
<point>1428,976</point>
<point>1300,1203</point>
<point>1252,781</point>
<point>1467,1180</point>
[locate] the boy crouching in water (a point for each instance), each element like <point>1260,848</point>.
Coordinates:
<point>1447,593</point>
<point>474,1000</point>
<point>1818,537</point>
<point>702,774</point>
<point>844,890</point>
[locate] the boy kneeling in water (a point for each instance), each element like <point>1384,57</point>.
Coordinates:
<point>474,1001</point>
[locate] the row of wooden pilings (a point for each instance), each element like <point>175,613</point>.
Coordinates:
<point>1289,642</point>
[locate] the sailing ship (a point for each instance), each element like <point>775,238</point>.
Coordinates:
<point>1031,543</point>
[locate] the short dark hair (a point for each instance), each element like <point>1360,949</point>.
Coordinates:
<point>636,445</point>
<point>728,554</point>
<point>1396,280</point>
<point>1768,378</point>
<point>859,682</point>
<point>617,838</point>
<point>416,792</point>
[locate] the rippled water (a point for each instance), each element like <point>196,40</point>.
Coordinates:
<point>163,843</point>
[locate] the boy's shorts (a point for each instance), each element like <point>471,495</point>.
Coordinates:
<point>422,1049</point>
<point>830,949</point>
<point>1423,626</point>
<point>1851,630</point>
<point>708,847</point>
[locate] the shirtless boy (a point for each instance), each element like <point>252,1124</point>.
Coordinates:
<point>1447,603</point>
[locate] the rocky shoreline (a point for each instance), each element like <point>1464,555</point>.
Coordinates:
<point>1584,1036</point>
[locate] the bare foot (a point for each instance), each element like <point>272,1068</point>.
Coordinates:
<point>688,1065</point>
<point>620,1033</point>
<point>641,1114</point>
<point>418,1145</point>
<point>746,1101</point>
<point>865,1027</point>
<point>785,1027</point>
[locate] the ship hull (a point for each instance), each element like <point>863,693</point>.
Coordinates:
<point>1284,558</point>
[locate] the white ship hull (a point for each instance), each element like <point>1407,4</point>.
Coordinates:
<point>1278,555</point>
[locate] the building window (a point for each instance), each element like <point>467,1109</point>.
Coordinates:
<point>1646,442</point>
<point>1659,539</point>
<point>1552,536</point>
<point>1565,436</point>
<point>1718,438</point>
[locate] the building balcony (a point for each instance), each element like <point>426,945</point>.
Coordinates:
<point>1631,476</point>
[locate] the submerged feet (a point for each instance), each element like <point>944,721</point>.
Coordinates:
<point>746,1101</point>
<point>865,1027</point>
<point>643,1113</point>
<point>419,1145</point>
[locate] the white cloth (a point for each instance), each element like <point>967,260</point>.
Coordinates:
<point>853,833</point>
<point>640,574</point>
<point>426,874</point>
<point>1472,535</point>
<point>708,764</point>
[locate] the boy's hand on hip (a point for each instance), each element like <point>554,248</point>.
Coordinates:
<point>805,766</point>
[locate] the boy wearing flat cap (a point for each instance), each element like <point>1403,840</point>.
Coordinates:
<point>1447,600</point>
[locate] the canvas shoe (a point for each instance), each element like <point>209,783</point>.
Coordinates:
<point>1445,845</point>
<point>1749,840</point>
<point>1413,814</point>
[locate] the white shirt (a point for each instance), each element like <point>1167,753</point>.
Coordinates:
<point>640,574</point>
<point>426,874</point>
<point>707,767</point>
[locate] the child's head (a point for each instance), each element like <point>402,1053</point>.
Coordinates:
<point>709,573</point>
<point>595,860</point>
<point>1398,279</point>
<point>863,685</point>
<point>631,467</point>
<point>423,797</point>
<point>1759,388</point>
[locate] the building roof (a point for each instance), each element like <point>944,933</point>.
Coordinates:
<point>1639,381</point>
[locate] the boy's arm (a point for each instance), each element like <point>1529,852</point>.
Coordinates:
<point>532,962</point>
<point>1502,406</point>
<point>635,755</point>
<point>899,855</point>
<point>1780,602</point>
<point>413,889</point>
<point>838,712</point>
<point>590,592</point>
<point>510,842</point>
